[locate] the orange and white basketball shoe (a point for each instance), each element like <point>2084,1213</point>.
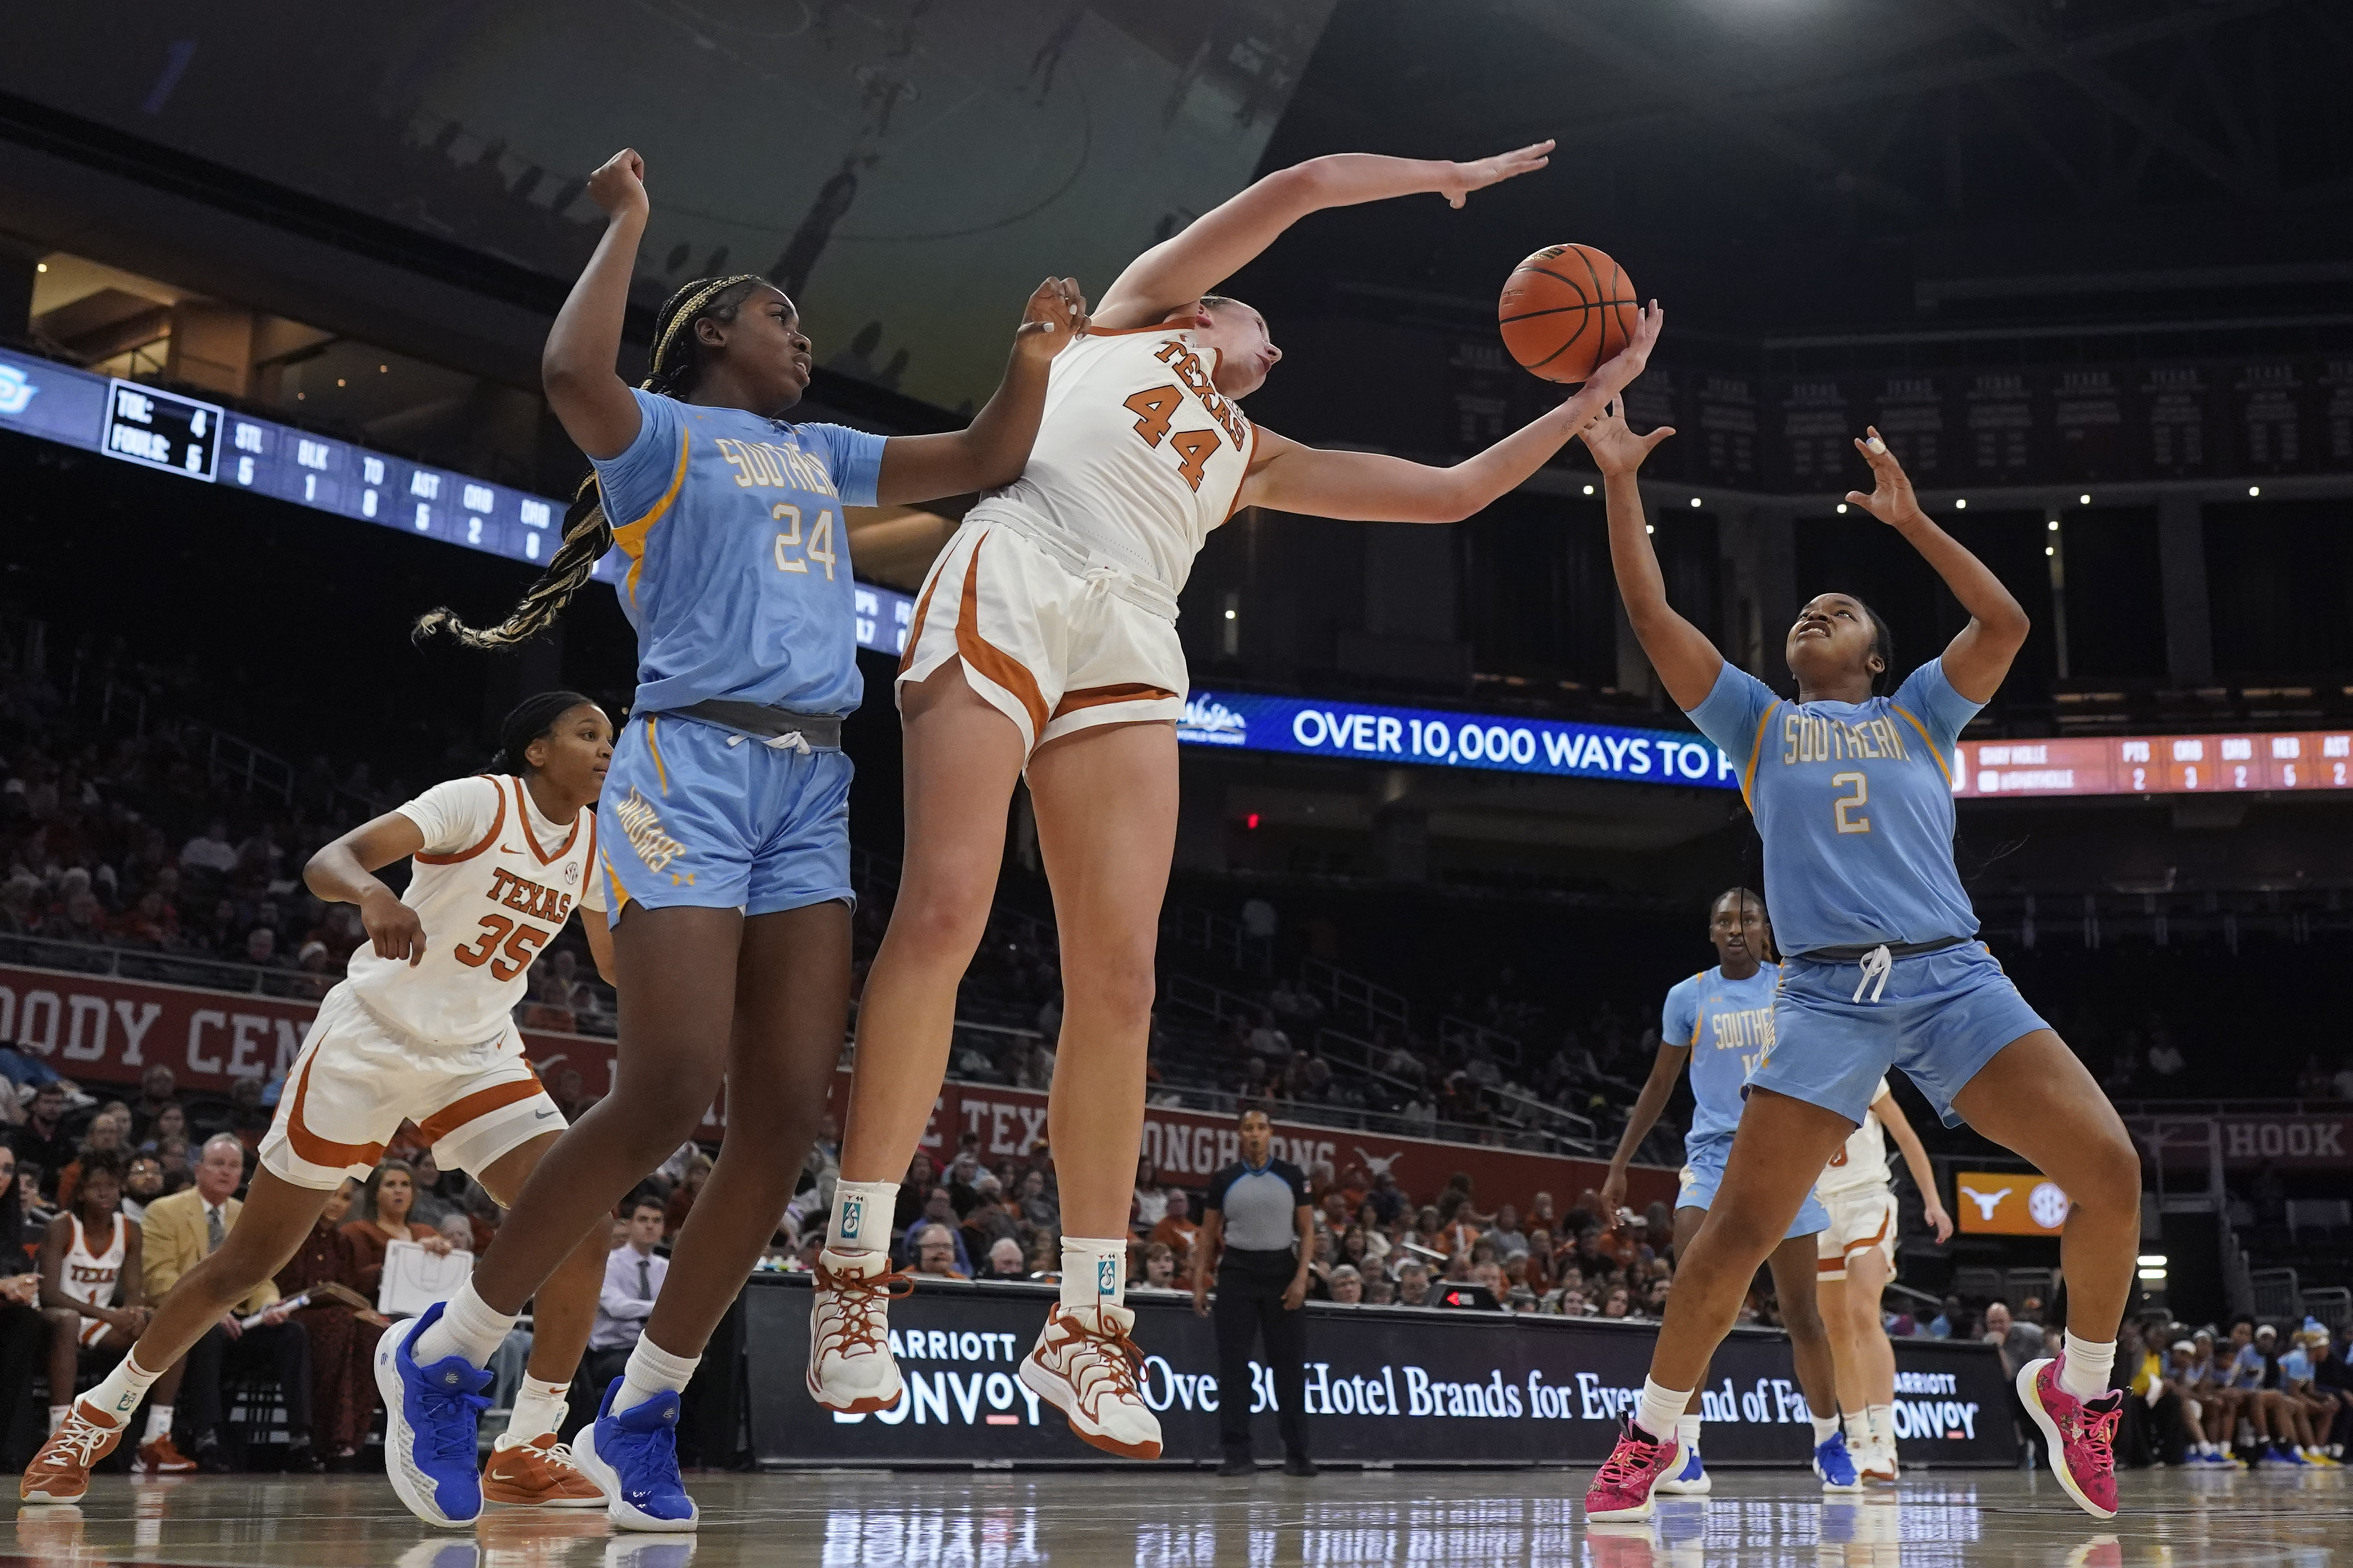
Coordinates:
<point>1083,1364</point>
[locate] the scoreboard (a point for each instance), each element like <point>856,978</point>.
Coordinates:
<point>2155,764</point>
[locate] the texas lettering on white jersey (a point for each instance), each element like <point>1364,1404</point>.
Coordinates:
<point>487,908</point>
<point>1138,453</point>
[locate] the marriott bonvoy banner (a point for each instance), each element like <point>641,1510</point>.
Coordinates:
<point>1392,1385</point>
<point>1371,732</point>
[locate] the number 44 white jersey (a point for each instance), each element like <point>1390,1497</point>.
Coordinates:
<point>492,885</point>
<point>1137,454</point>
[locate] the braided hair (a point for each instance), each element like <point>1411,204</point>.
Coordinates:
<point>676,365</point>
<point>532,718</point>
<point>1747,897</point>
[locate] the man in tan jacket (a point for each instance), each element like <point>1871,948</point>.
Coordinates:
<point>179,1231</point>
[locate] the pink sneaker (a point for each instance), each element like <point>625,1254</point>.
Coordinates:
<point>2079,1434</point>
<point>1621,1491</point>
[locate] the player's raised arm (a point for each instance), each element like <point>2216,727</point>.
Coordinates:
<point>1979,655</point>
<point>992,449</point>
<point>1686,661</point>
<point>579,365</point>
<point>1220,242</point>
<point>1369,487</point>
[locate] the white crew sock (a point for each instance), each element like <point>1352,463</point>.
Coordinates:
<point>861,1217</point>
<point>1660,1412</point>
<point>653,1372</point>
<point>58,1417</point>
<point>538,1409</point>
<point>1094,1271</point>
<point>118,1393</point>
<point>469,1328</point>
<point>1687,1433</point>
<point>1825,1426</point>
<point>2083,1367</point>
<point>159,1423</point>
<point>1857,1431</point>
<point>1882,1421</point>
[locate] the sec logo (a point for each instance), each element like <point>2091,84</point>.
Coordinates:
<point>2047,1206</point>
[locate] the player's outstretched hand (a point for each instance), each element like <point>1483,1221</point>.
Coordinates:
<point>619,185</point>
<point>1057,314</point>
<point>1465,178</point>
<point>1891,500</point>
<point>392,926</point>
<point>1614,375</point>
<point>1616,450</point>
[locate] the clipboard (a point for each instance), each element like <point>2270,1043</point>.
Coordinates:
<point>414,1279</point>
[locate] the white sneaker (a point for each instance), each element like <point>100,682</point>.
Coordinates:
<point>1878,1462</point>
<point>1083,1364</point>
<point>851,1368</point>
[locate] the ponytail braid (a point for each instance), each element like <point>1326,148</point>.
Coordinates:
<point>588,533</point>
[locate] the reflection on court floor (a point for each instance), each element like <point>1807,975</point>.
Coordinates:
<point>1166,1517</point>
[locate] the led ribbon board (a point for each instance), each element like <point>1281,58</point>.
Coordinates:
<point>1369,732</point>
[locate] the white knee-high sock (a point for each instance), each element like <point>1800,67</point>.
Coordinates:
<point>861,1217</point>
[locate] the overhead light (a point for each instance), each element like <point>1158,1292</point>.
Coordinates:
<point>1650,528</point>
<point>341,382</point>
<point>2083,499</point>
<point>383,369</point>
<point>2050,549</point>
<point>1960,503</point>
<point>1589,489</point>
<point>2255,489</point>
<point>2152,1260</point>
<point>40,267</point>
<point>1842,509</point>
<point>2152,1273</point>
<point>2053,525</point>
<point>1233,615</point>
<point>1695,500</point>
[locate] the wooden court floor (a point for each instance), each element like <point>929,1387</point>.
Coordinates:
<point>1172,1517</point>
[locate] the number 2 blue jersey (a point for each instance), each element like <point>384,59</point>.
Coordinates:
<point>1854,802</point>
<point>739,582</point>
<point>1728,1024</point>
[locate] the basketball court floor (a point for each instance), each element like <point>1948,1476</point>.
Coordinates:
<point>1171,1518</point>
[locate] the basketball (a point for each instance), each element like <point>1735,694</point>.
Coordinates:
<point>1566,309</point>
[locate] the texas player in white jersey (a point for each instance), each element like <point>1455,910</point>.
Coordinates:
<point>1855,1259</point>
<point>1044,644</point>
<point>91,1291</point>
<point>420,1031</point>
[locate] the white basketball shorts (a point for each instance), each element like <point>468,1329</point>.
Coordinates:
<point>356,1080</point>
<point>1055,644</point>
<point>1858,1222</point>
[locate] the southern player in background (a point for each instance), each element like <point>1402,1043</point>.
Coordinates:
<point>1852,801</point>
<point>1858,1258</point>
<point>727,848</point>
<point>1044,645</point>
<point>1718,1024</point>
<point>420,1030</point>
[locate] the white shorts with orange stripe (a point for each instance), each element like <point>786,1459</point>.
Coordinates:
<point>1860,1222</point>
<point>357,1080</point>
<point>1055,640</point>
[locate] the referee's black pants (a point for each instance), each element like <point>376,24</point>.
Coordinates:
<point>1249,1306</point>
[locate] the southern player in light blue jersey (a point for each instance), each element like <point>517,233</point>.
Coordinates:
<point>1851,790</point>
<point>1718,1025</point>
<point>726,848</point>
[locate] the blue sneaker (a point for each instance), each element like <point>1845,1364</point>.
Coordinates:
<point>432,1419</point>
<point>1691,1480</point>
<point>1835,1464</point>
<point>633,1457</point>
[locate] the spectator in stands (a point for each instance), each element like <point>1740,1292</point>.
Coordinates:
<point>1005,1260</point>
<point>159,1091</point>
<point>1616,1303</point>
<point>1178,1229</point>
<point>2018,1343</point>
<point>180,1230</point>
<point>633,1279</point>
<point>1347,1285</point>
<point>938,1214</point>
<point>23,1330</point>
<point>937,1250</point>
<point>151,922</point>
<point>1413,1283</point>
<point>342,1338</point>
<point>142,1186</point>
<point>384,1217</point>
<point>20,913</point>
<point>261,950</point>
<point>1159,1266</point>
<point>48,1136</point>
<point>168,1123</point>
<point>1039,1208</point>
<point>1506,1235</point>
<point>210,850</point>
<point>104,1137</point>
<point>1387,1202</point>
<point>1150,1202</point>
<point>682,1197</point>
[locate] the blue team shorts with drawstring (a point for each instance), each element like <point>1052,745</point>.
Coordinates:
<point>1941,1016</point>
<point>697,815</point>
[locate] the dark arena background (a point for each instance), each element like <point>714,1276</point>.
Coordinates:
<point>275,280</point>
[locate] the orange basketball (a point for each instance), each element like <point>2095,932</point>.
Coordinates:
<point>1565,310</point>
